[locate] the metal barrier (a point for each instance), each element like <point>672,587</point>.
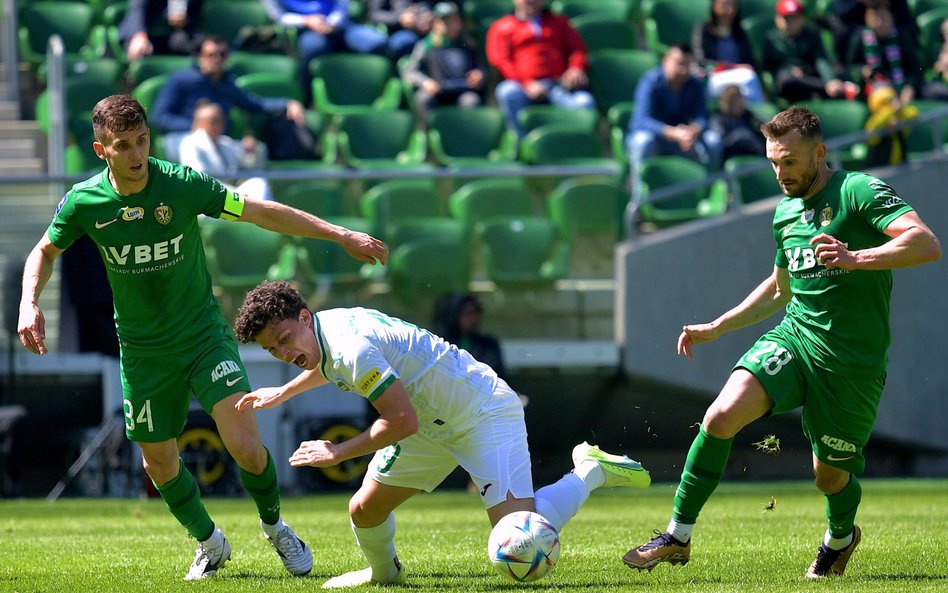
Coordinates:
<point>10,53</point>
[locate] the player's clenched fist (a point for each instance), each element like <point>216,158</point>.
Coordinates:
<point>833,253</point>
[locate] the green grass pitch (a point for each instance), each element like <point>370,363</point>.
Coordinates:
<point>101,546</point>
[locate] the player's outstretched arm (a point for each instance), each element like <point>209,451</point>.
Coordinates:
<point>397,420</point>
<point>31,326</point>
<point>271,397</point>
<point>283,219</point>
<point>770,296</point>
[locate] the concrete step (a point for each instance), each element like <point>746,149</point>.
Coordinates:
<point>22,167</point>
<point>18,147</point>
<point>9,110</point>
<point>16,130</point>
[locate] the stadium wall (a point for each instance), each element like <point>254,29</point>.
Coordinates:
<point>694,272</point>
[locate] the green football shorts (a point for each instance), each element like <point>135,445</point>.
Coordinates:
<point>838,411</point>
<point>156,390</point>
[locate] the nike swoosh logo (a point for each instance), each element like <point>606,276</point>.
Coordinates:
<point>833,458</point>
<point>102,225</point>
<point>232,382</point>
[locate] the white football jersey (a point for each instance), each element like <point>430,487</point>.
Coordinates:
<point>364,351</point>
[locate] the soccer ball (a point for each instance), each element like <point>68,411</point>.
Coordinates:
<point>523,546</point>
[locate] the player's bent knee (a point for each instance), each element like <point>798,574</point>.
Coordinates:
<point>364,514</point>
<point>718,424</point>
<point>249,455</point>
<point>830,481</point>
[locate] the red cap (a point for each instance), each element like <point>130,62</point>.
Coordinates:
<point>789,7</point>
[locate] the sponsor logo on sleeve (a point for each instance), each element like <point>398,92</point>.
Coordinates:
<point>368,381</point>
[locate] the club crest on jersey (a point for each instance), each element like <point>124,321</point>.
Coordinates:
<point>807,216</point>
<point>163,214</point>
<point>130,214</point>
<point>826,216</point>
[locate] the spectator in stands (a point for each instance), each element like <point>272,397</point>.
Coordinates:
<point>209,80</point>
<point>671,114</point>
<point>723,52</point>
<point>844,17</point>
<point>886,110</point>
<point>160,27</point>
<point>209,150</point>
<point>444,68</point>
<point>324,27</point>
<point>795,57</point>
<point>738,128</point>
<point>458,320</point>
<point>882,55</point>
<point>541,58</point>
<point>406,21</point>
<point>938,87</point>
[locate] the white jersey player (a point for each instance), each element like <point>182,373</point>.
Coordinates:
<point>438,408</point>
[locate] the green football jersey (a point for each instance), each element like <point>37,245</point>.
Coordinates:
<point>840,316</point>
<point>154,258</point>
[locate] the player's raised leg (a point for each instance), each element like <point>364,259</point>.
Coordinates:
<point>258,475</point>
<point>180,492</point>
<point>741,401</point>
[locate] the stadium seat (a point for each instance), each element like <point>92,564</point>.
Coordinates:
<point>838,118</point>
<point>316,196</point>
<point>354,83</point>
<point>522,252</point>
<point>921,142</point>
<point>562,144</point>
<point>672,21</point>
<point>604,32</point>
<point>474,137</point>
<point>241,255</point>
<point>284,66</point>
<point>755,185</point>
<point>270,84</point>
<point>751,8</point>
<point>755,28</point>
<point>428,268</point>
<point>105,71</point>
<point>146,91</point>
<point>74,22</point>
<point>624,11</point>
<point>658,172</point>
<point>80,97</point>
<point>405,230</point>
<point>920,7</point>
<point>482,199</point>
<point>149,66</point>
<point>381,140</point>
<point>480,14</point>
<point>532,117</point>
<point>619,116</point>
<point>614,74</point>
<point>930,40</point>
<point>398,199</point>
<point>325,265</point>
<point>586,205</point>
<point>227,18</point>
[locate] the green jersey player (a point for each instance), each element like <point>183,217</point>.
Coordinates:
<point>142,213</point>
<point>438,408</point>
<point>838,235</point>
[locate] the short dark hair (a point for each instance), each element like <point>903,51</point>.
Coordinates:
<point>268,302</point>
<point>796,118</point>
<point>117,113</point>
<point>684,47</point>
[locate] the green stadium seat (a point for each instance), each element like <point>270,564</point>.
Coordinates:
<point>562,144</point>
<point>105,71</point>
<point>381,140</point>
<point>838,118</point>
<point>406,230</point>
<point>625,11</point>
<point>604,32</point>
<point>614,74</point>
<point>658,172</point>
<point>482,199</point>
<point>80,96</point>
<point>588,213</point>
<point>920,7</point>
<point>755,185</point>
<point>668,22</point>
<point>398,199</point>
<point>227,18</point>
<point>921,142</point>
<point>326,267</point>
<point>475,137</point>
<point>427,269</point>
<point>284,66</point>
<point>619,116</point>
<point>522,252</point>
<point>149,66</point>
<point>74,22</point>
<point>532,117</point>
<point>316,196</point>
<point>929,35</point>
<point>354,83</point>
<point>146,91</point>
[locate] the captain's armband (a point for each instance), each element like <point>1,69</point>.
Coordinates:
<point>233,206</point>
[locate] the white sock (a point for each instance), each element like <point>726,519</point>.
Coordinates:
<point>378,546</point>
<point>591,474</point>
<point>561,500</point>
<point>272,530</point>
<point>680,531</point>
<point>216,540</point>
<point>837,544</point>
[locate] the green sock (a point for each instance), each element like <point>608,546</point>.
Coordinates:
<point>183,498</point>
<point>265,491</point>
<point>841,508</point>
<point>703,468</point>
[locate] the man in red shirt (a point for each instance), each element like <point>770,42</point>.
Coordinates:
<point>541,58</point>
